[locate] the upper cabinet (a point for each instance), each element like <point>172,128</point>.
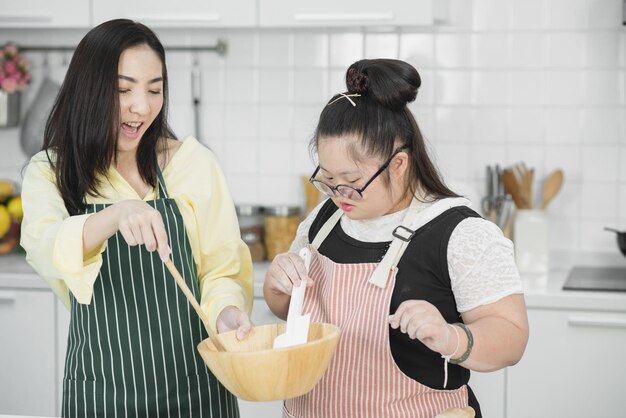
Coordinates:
<point>326,13</point>
<point>45,14</point>
<point>179,14</point>
<point>217,13</point>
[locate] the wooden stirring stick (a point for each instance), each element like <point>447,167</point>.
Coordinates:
<point>551,187</point>
<point>183,286</point>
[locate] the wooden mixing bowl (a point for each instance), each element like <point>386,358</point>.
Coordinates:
<point>254,371</point>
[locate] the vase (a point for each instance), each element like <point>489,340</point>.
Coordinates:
<point>10,108</point>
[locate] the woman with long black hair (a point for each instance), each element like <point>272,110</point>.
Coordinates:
<point>113,195</point>
<point>423,289</point>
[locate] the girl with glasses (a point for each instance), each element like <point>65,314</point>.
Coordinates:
<point>112,195</point>
<point>423,289</point>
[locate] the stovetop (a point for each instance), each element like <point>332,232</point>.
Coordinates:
<point>596,278</point>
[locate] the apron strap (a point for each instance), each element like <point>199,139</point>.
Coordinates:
<point>326,228</point>
<point>402,235</point>
<point>161,181</point>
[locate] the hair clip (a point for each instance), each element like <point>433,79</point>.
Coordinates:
<point>347,96</point>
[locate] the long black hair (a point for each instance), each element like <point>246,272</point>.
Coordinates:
<point>81,132</point>
<point>376,113</point>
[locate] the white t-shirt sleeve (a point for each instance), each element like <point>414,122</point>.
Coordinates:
<point>481,264</point>
<point>302,234</point>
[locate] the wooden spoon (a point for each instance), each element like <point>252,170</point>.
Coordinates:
<point>551,187</point>
<point>183,286</point>
<point>514,188</point>
<point>528,186</point>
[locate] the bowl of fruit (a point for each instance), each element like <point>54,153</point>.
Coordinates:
<point>10,216</point>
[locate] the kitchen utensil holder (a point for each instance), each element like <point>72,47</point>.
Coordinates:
<point>530,235</point>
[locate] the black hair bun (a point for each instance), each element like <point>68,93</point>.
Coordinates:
<point>392,83</point>
<point>356,81</point>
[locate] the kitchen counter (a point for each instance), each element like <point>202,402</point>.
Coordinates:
<point>16,273</point>
<point>568,322</point>
<point>547,291</point>
<point>540,292</point>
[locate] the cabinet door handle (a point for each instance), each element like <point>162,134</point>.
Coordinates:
<point>583,321</point>
<point>16,19</point>
<point>321,17</point>
<point>180,19</point>
<point>8,297</point>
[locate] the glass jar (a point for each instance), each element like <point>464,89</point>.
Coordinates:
<point>281,224</point>
<point>251,226</point>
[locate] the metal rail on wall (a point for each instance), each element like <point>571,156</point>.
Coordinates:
<point>220,48</point>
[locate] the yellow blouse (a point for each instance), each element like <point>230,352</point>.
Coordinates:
<point>53,240</point>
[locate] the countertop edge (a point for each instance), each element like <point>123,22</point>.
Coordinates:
<point>547,293</point>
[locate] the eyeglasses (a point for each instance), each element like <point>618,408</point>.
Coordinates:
<point>350,192</point>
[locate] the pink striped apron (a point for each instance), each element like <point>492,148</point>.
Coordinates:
<point>362,379</point>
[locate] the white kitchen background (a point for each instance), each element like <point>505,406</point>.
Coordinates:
<point>503,81</point>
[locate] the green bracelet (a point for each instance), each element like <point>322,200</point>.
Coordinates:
<point>470,344</point>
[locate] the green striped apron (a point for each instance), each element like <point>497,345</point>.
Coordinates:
<point>132,351</point>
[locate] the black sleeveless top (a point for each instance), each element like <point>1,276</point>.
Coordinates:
<point>422,274</point>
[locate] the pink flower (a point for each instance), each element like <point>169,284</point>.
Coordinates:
<point>10,68</point>
<point>14,70</point>
<point>23,65</point>
<point>9,85</point>
<point>10,50</point>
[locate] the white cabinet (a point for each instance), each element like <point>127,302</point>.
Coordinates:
<point>45,14</point>
<point>489,389</point>
<point>182,13</point>
<point>294,13</point>
<point>27,352</point>
<point>573,366</point>
<point>261,315</point>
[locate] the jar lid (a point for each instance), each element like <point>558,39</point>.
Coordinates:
<point>282,210</point>
<point>248,210</point>
<point>250,238</point>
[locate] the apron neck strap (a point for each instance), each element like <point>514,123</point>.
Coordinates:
<point>402,235</point>
<point>161,181</point>
<point>326,228</point>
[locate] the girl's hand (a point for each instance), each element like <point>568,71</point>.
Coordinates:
<point>286,271</point>
<point>421,320</point>
<point>141,224</point>
<point>232,318</point>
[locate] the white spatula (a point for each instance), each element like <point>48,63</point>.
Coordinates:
<point>297,324</point>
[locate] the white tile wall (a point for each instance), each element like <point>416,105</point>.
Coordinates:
<point>539,81</point>
<point>526,125</point>
<point>378,45</point>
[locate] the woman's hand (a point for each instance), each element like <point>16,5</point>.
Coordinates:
<point>421,320</point>
<point>141,224</point>
<point>232,318</point>
<point>286,270</point>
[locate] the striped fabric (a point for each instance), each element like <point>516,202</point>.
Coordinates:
<point>362,379</point>
<point>131,352</point>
